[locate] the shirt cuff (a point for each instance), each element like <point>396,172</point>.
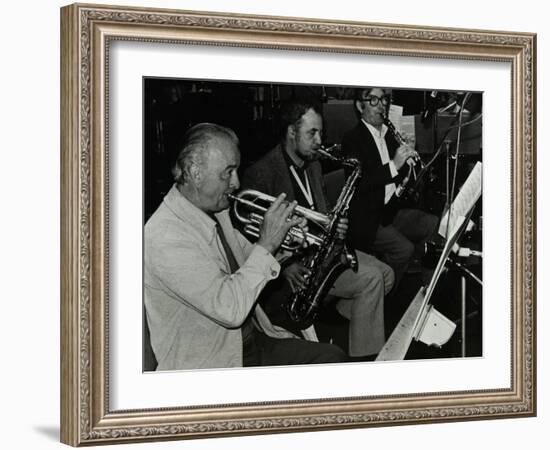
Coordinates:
<point>393,170</point>
<point>267,260</point>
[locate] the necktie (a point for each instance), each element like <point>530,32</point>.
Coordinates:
<point>247,329</point>
<point>233,265</point>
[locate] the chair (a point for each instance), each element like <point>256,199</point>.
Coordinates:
<point>149,361</point>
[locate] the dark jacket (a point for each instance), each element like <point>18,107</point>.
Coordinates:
<point>367,208</point>
<point>271,175</point>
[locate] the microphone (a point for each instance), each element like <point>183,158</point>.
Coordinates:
<point>431,105</point>
<point>465,100</point>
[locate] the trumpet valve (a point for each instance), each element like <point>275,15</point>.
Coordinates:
<point>256,218</point>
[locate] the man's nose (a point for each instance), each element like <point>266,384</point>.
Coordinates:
<point>235,183</point>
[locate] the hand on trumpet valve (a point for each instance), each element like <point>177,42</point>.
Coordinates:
<point>298,235</point>
<point>278,220</point>
<point>302,226</point>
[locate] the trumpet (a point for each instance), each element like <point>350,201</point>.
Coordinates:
<point>297,238</point>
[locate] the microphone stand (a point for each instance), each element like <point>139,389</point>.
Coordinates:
<point>448,157</point>
<point>464,272</point>
<point>445,141</point>
<point>449,194</point>
<point>460,114</point>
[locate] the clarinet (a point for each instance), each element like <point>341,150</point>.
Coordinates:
<point>400,189</point>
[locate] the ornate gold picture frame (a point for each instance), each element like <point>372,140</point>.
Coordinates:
<point>87,32</point>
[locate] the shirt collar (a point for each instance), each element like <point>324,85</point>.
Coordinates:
<point>291,162</point>
<point>188,212</point>
<point>374,131</point>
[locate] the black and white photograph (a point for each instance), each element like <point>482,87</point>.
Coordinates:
<point>292,224</point>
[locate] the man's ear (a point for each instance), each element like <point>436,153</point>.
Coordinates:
<point>291,131</point>
<point>359,106</point>
<point>195,172</point>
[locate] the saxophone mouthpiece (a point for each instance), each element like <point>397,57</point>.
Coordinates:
<point>329,150</point>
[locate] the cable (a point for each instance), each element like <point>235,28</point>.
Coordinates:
<point>455,169</point>
<point>440,147</point>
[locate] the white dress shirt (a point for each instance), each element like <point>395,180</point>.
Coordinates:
<point>379,138</point>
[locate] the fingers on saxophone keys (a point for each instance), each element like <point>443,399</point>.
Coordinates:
<point>301,281</point>
<point>292,286</point>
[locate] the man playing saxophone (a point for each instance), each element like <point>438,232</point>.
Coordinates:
<point>292,167</point>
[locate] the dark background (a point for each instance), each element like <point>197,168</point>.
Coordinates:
<point>171,106</point>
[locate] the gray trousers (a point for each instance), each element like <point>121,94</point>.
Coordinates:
<point>361,300</point>
<point>410,230</point>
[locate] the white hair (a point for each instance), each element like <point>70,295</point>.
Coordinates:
<point>195,143</point>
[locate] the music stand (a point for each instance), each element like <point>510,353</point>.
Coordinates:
<point>422,321</point>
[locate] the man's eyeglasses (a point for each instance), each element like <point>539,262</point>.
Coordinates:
<point>374,100</point>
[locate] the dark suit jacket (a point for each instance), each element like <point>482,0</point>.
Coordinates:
<point>367,207</point>
<point>271,176</point>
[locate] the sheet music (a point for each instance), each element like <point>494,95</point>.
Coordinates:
<point>408,130</point>
<point>395,114</point>
<point>410,325</point>
<point>403,124</point>
<point>464,201</point>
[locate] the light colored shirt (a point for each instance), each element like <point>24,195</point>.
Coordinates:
<point>195,306</point>
<point>380,140</point>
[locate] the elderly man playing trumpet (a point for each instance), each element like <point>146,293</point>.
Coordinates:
<point>202,277</point>
<point>292,167</point>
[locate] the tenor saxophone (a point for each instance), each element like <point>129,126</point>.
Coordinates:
<point>328,260</point>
